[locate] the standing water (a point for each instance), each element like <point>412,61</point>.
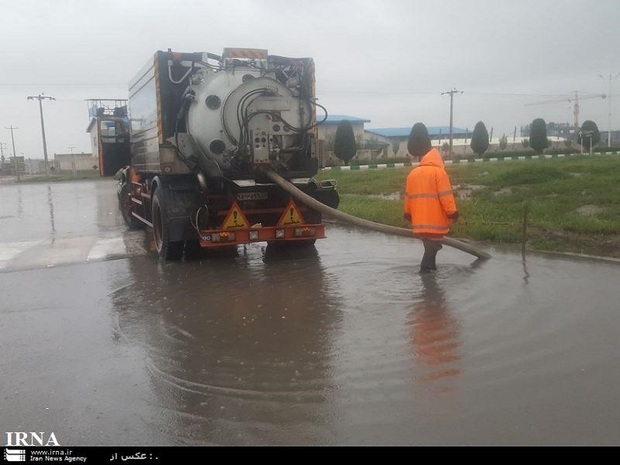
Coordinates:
<point>345,343</point>
<point>349,344</point>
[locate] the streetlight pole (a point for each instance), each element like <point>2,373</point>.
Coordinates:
<point>451,93</point>
<point>40,98</point>
<point>15,164</point>
<point>609,103</point>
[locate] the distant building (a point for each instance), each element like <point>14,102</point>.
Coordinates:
<point>109,134</point>
<point>327,134</point>
<point>563,130</point>
<point>75,162</point>
<point>615,138</point>
<point>396,138</point>
<point>8,165</point>
<point>327,129</point>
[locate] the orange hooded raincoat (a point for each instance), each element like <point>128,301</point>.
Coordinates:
<point>428,197</point>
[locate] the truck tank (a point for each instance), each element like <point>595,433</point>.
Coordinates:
<point>205,131</point>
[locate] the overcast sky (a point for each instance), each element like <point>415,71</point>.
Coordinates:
<point>384,60</point>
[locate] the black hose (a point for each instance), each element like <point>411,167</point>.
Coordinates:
<point>384,228</point>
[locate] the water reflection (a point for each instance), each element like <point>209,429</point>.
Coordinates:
<point>526,274</point>
<point>238,348</point>
<point>20,205</point>
<point>435,334</point>
<point>50,203</point>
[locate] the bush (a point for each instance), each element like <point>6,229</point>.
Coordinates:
<point>589,134</point>
<point>345,146</point>
<point>480,138</point>
<point>538,135</point>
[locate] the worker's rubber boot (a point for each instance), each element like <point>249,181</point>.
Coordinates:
<point>431,247</point>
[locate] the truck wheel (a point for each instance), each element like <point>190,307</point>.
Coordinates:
<point>167,249</point>
<point>124,204</point>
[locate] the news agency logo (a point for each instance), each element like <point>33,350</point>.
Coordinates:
<point>14,455</point>
<point>32,439</point>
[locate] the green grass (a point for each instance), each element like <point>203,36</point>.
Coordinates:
<point>573,203</point>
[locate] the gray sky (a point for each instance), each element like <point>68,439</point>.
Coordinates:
<point>384,60</point>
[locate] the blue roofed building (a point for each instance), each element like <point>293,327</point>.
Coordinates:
<point>376,144</point>
<point>327,128</point>
<point>327,133</point>
<point>397,137</point>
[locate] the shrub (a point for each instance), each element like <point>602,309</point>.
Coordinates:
<point>538,135</point>
<point>480,138</point>
<point>345,146</point>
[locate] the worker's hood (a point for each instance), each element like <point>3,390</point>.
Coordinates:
<point>432,158</point>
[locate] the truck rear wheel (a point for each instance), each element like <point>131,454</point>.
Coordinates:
<point>167,249</point>
<point>124,201</point>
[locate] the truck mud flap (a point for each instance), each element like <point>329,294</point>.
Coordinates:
<point>179,207</point>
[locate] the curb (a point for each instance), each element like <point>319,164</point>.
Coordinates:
<point>379,166</point>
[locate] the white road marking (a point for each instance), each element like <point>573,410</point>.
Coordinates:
<point>8,251</point>
<point>48,253</point>
<point>107,247</point>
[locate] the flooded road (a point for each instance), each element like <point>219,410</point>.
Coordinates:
<point>342,344</point>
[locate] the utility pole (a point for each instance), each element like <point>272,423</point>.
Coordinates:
<point>2,145</point>
<point>451,93</point>
<point>611,79</point>
<point>40,98</point>
<point>14,152</point>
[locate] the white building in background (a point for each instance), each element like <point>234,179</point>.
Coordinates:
<point>74,162</point>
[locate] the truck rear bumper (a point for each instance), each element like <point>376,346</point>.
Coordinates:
<point>221,238</point>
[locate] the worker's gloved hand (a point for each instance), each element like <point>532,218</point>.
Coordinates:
<point>407,216</point>
<point>454,216</point>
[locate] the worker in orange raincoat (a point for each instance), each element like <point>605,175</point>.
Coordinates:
<point>429,201</point>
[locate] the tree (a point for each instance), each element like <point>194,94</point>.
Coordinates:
<point>538,135</point>
<point>589,135</point>
<point>479,139</point>
<point>345,146</point>
<point>503,142</point>
<point>419,141</point>
<point>445,148</point>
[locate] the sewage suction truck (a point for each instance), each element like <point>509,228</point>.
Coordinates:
<point>207,135</point>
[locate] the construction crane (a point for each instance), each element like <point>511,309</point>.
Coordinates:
<point>571,99</point>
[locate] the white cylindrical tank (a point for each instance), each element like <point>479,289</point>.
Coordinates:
<point>246,113</point>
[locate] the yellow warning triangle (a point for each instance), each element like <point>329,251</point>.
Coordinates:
<point>291,216</point>
<point>235,219</point>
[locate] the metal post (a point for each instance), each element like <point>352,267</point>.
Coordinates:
<point>40,98</point>
<point>2,144</point>
<point>15,164</point>
<point>609,104</point>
